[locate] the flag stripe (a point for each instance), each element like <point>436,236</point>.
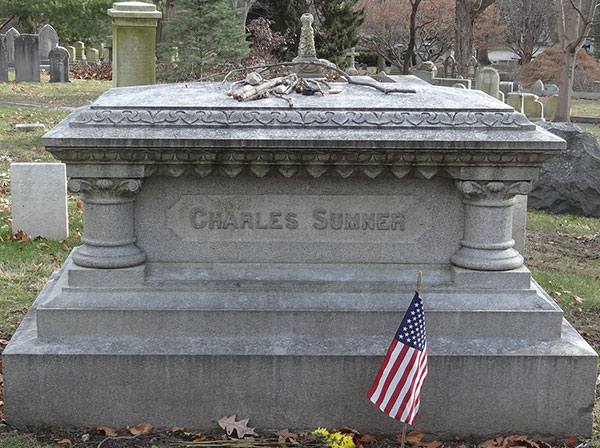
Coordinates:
<point>415,396</point>
<point>397,386</point>
<point>375,390</point>
<point>399,364</point>
<point>402,383</point>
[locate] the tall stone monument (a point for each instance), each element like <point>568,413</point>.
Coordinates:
<point>133,44</point>
<point>59,64</point>
<point>11,35</point>
<point>237,255</point>
<point>307,52</point>
<point>3,59</point>
<point>27,58</point>
<point>48,41</point>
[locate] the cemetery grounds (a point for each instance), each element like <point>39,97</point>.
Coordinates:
<point>562,251</point>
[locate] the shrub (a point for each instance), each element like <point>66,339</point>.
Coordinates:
<point>547,65</point>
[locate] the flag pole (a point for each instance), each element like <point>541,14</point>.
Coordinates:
<point>419,285</point>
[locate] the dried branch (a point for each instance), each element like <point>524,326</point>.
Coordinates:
<point>106,439</point>
<point>340,72</point>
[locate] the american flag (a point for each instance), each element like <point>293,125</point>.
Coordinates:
<point>397,387</point>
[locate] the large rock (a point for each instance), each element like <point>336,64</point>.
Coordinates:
<point>569,183</point>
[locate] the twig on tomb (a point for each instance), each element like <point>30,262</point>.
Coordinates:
<point>343,74</point>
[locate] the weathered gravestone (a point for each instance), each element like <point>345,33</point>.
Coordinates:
<point>92,55</point>
<point>79,50</point>
<point>48,41</point>
<point>59,64</point>
<point>39,200</point>
<point>550,107</point>
<point>516,101</point>
<point>472,67</point>
<point>3,59</point>
<point>450,67</point>
<point>532,107</point>
<point>72,53</point>
<point>237,255</point>
<point>11,35</point>
<point>488,81</point>
<point>27,58</point>
<point>426,70</point>
<point>538,88</point>
<point>133,43</point>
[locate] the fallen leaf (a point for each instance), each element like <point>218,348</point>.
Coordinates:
<point>578,299</point>
<point>366,438</point>
<point>63,441</point>
<point>199,438</point>
<point>413,438</point>
<point>241,427</point>
<point>79,205</point>
<point>285,436</point>
<point>108,431</point>
<point>434,444</point>
<point>463,446</point>
<point>142,428</point>
<point>571,441</point>
<point>175,429</point>
<point>543,444</point>
<point>42,245</point>
<point>346,430</point>
<point>488,443</point>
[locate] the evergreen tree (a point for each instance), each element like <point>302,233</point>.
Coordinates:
<point>203,32</point>
<point>336,23</point>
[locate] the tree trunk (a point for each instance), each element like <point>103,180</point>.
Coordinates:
<point>565,84</point>
<point>483,56</point>
<point>463,48</point>
<point>241,8</point>
<point>409,56</point>
<point>380,64</point>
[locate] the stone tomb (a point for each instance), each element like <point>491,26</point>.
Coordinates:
<point>256,258</point>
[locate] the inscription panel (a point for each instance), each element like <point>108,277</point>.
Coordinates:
<point>299,218</point>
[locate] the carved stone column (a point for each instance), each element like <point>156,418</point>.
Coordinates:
<point>487,243</point>
<point>108,240</point>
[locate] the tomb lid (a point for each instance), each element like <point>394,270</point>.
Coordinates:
<point>202,115</point>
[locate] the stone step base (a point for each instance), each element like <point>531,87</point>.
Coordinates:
<point>157,311</point>
<point>475,387</point>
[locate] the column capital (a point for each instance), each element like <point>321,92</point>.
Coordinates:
<point>492,190</point>
<point>105,187</point>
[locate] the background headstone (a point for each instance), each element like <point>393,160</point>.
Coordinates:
<point>39,199</point>
<point>426,70</point>
<point>515,100</point>
<point>79,51</point>
<point>569,182</point>
<point>59,64</point>
<point>532,107</point>
<point>550,107</point>
<point>507,87</point>
<point>538,88</point>
<point>27,58</point>
<point>488,80</point>
<point>11,35</point>
<point>472,67</point>
<point>134,43</point>
<point>72,53</point>
<point>48,40</point>
<point>351,70</point>
<point>450,67</point>
<point>3,59</point>
<point>91,55</point>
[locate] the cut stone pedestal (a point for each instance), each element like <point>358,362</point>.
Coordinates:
<point>256,258</point>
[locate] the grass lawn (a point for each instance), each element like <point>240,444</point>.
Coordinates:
<point>585,108</point>
<point>76,93</point>
<point>563,252</point>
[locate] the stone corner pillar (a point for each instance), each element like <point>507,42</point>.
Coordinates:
<point>134,43</point>
<point>108,239</point>
<point>487,244</point>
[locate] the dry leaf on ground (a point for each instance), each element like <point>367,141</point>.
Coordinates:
<point>285,436</point>
<point>108,431</point>
<point>366,438</point>
<point>571,441</point>
<point>241,427</point>
<point>142,428</point>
